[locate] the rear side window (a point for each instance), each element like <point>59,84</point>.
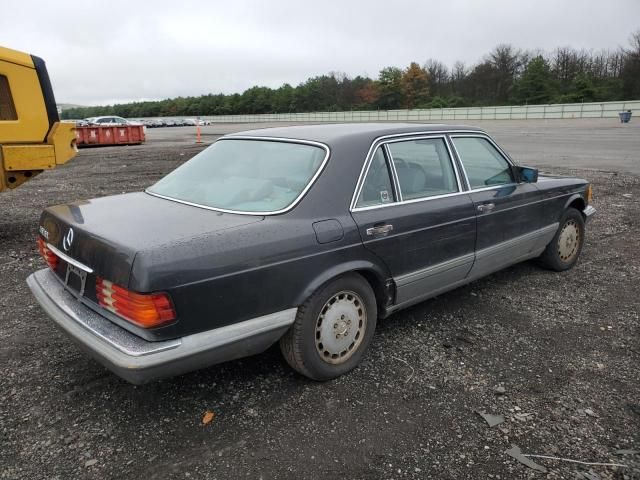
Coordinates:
<point>376,189</point>
<point>424,168</point>
<point>482,162</point>
<point>7,108</point>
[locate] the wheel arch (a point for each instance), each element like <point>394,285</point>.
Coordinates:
<point>375,275</point>
<point>575,201</point>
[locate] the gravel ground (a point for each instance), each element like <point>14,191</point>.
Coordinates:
<point>557,355</point>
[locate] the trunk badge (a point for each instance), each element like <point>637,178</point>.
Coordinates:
<point>44,232</point>
<point>67,240</point>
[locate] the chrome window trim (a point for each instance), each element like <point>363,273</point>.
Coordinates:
<point>498,149</point>
<point>394,172</point>
<point>289,207</point>
<point>68,259</point>
<point>406,202</point>
<point>400,137</point>
<point>391,170</point>
<point>365,170</point>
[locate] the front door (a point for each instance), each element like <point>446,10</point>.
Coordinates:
<point>510,213</point>
<point>412,213</point>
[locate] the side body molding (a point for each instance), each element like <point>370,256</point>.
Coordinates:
<point>423,284</point>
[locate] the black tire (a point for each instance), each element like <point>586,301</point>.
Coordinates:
<point>563,252</point>
<point>302,345</point>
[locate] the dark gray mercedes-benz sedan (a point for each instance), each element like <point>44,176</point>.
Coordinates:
<point>305,235</point>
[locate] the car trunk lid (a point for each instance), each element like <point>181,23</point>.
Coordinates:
<point>105,234</point>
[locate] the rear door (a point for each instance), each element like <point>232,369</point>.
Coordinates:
<point>411,211</point>
<point>510,214</point>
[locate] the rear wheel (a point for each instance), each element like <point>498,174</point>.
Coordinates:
<point>563,251</point>
<point>332,330</point>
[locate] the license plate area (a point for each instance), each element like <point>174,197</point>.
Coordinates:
<point>75,280</point>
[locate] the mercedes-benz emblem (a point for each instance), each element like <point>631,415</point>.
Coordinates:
<point>67,240</point>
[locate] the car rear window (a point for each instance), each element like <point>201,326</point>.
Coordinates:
<point>244,176</point>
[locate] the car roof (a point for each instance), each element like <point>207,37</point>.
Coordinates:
<point>336,132</point>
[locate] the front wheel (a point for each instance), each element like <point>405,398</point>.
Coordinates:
<point>332,330</point>
<point>563,251</point>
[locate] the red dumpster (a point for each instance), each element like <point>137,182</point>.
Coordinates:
<point>109,135</point>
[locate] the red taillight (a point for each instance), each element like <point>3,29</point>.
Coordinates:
<point>49,257</point>
<point>145,310</point>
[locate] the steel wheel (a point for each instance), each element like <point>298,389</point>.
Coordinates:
<point>340,327</point>
<point>333,328</point>
<point>569,241</point>
<point>563,250</point>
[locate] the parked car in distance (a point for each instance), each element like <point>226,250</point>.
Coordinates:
<point>155,123</point>
<point>189,122</point>
<point>306,235</point>
<point>110,120</point>
<point>77,122</point>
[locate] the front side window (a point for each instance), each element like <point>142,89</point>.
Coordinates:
<point>484,165</point>
<point>7,108</point>
<point>376,189</point>
<point>252,176</point>
<point>424,168</point>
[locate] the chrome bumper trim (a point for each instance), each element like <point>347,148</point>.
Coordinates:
<point>138,360</point>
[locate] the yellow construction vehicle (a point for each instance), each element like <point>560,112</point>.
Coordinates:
<point>32,138</point>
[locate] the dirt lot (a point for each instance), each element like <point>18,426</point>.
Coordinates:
<point>557,355</point>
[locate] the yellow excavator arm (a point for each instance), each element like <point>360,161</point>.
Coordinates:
<point>32,137</point>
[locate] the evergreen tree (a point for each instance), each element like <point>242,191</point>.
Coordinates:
<point>389,80</point>
<point>536,85</point>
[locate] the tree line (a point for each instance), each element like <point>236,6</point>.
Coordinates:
<point>505,76</point>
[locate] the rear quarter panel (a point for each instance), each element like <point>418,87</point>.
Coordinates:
<point>218,280</point>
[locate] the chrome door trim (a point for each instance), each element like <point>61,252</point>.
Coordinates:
<point>531,244</point>
<point>406,202</point>
<point>417,275</point>
<point>531,236</point>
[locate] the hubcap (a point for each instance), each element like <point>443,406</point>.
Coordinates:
<point>568,241</point>
<point>340,327</point>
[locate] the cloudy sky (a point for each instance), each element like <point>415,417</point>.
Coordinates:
<point>104,52</point>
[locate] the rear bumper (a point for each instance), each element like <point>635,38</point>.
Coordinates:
<point>138,360</point>
<point>588,212</point>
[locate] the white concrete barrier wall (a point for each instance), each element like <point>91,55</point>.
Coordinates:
<point>515,112</point>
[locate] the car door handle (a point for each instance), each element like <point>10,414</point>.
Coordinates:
<point>379,229</point>
<point>486,207</point>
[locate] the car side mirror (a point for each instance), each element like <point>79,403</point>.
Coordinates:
<point>526,174</point>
